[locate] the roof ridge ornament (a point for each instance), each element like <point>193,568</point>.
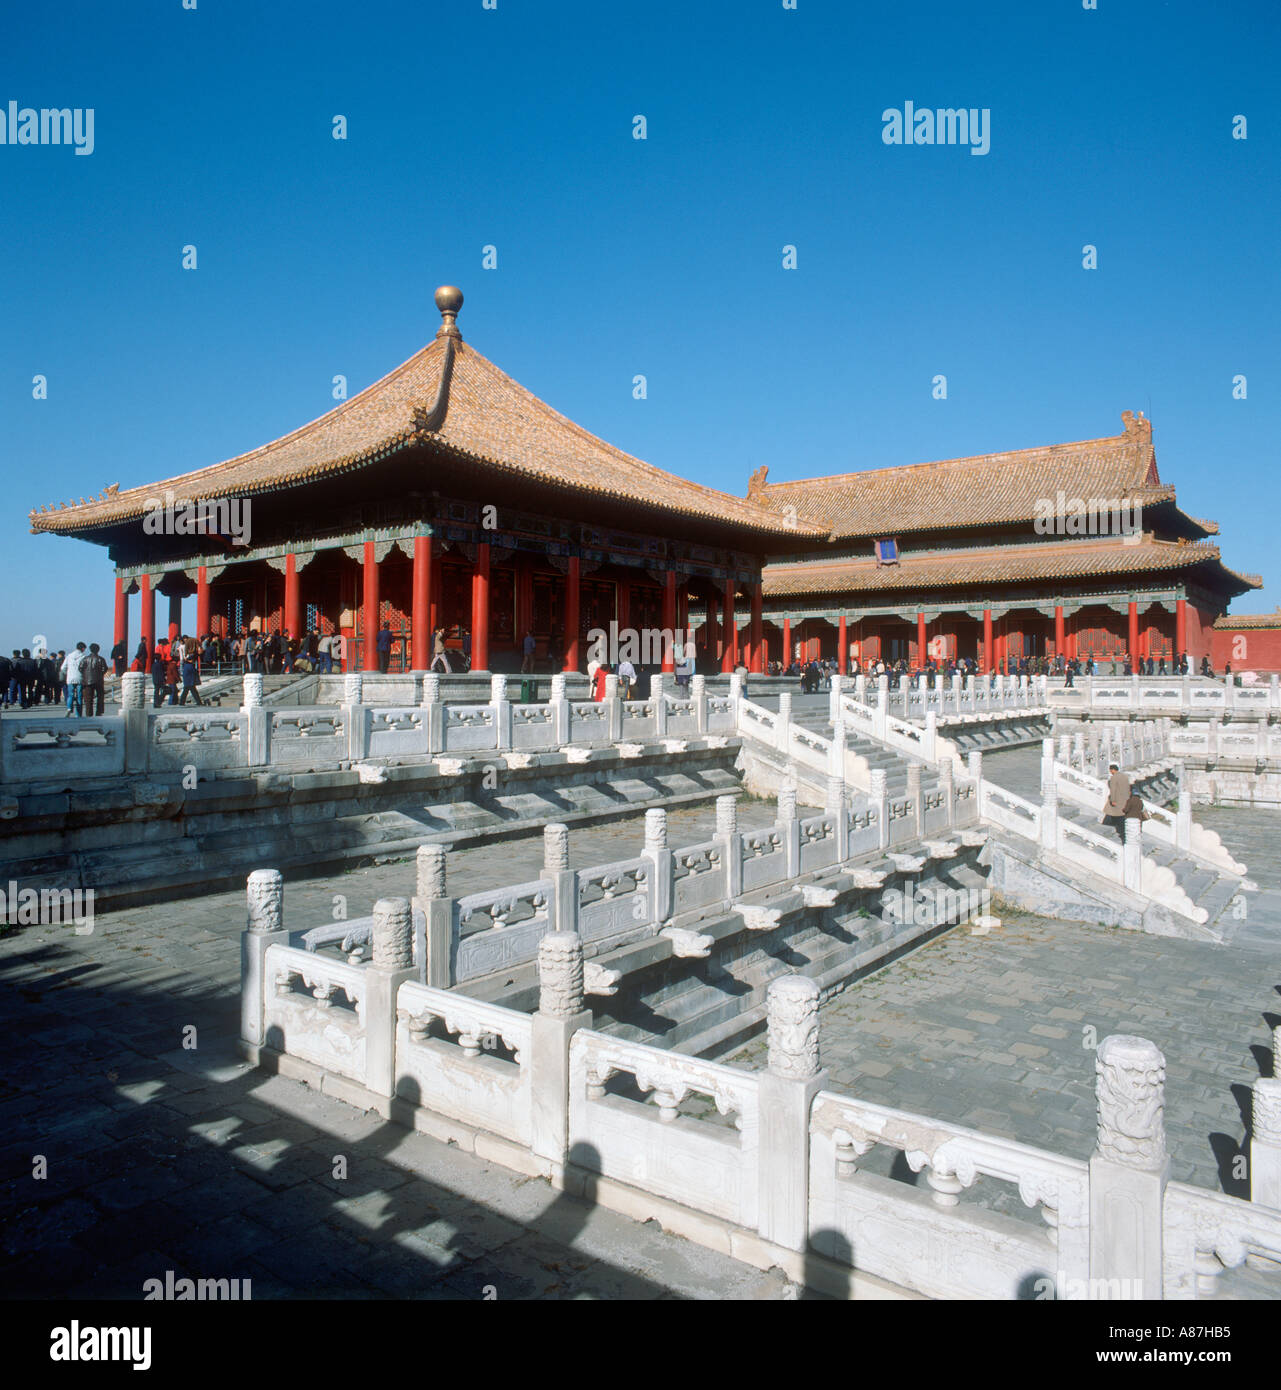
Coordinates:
<point>1137,427</point>
<point>429,421</point>
<point>449,299</point>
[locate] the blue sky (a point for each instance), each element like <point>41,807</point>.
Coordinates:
<point>513,127</point>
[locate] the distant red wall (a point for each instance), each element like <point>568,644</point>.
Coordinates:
<point>1248,649</point>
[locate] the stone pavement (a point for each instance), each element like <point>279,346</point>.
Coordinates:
<point>161,1157</point>
<point>997,1032</point>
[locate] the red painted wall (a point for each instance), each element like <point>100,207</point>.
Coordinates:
<point>1247,649</point>
<point>1201,636</point>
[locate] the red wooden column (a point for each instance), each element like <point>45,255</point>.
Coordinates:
<point>921,653</point>
<point>787,643</point>
<point>420,625</point>
<point>175,616</point>
<point>1134,631</point>
<point>573,622</point>
<point>711,645</point>
<point>202,601</point>
<point>121,626</point>
<point>842,646</point>
<point>1180,627</point>
<point>524,600</point>
<point>1060,640</point>
<point>293,598</point>
<point>989,656</point>
<point>480,609</point>
<point>369,609</point>
<point>147,618</point>
<point>669,619</point>
<point>758,636</point>
<point>730,626</point>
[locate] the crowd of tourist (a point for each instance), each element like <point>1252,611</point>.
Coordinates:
<point>816,674</point>
<point>77,677</point>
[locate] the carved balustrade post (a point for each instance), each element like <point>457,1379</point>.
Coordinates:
<point>1132,855</point>
<point>947,785</point>
<point>1129,1168</point>
<point>731,845</point>
<point>1049,815</point>
<point>433,919</point>
<point>563,908</point>
<point>783,727</point>
<point>257,722</point>
<point>1047,763</point>
<point>502,709</point>
<point>137,722</point>
<point>661,862</point>
<point>433,708</point>
<point>914,796</point>
<point>786,1091</point>
<point>265,926</point>
<point>1265,1137</point>
<point>561,1012</point>
<point>698,693</point>
<point>392,963</point>
<point>560,712</point>
<point>836,805</point>
<point>791,827</point>
<point>878,799</point>
<point>613,709</point>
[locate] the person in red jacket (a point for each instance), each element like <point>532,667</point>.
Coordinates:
<point>598,682</point>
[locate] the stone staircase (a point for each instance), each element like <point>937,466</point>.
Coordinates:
<point>1209,889</point>
<point>889,760</point>
<point>715,1008</point>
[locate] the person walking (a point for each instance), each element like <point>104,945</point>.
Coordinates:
<point>172,674</point>
<point>626,679</point>
<point>384,648</point>
<point>1119,793</point>
<point>528,648</point>
<point>440,653</point>
<point>70,671</point>
<point>190,677</point>
<point>158,677</point>
<point>93,674</point>
<point>119,654</point>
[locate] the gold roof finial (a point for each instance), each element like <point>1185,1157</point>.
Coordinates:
<point>449,299</point>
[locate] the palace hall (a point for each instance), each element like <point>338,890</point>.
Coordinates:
<point>447,496</point>
<point>999,557</point>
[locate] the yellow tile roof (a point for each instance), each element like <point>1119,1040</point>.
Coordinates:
<point>483,415</point>
<point>984,490</point>
<point>1046,560</point>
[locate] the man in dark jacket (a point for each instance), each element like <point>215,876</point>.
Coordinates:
<point>118,655</point>
<point>93,672</point>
